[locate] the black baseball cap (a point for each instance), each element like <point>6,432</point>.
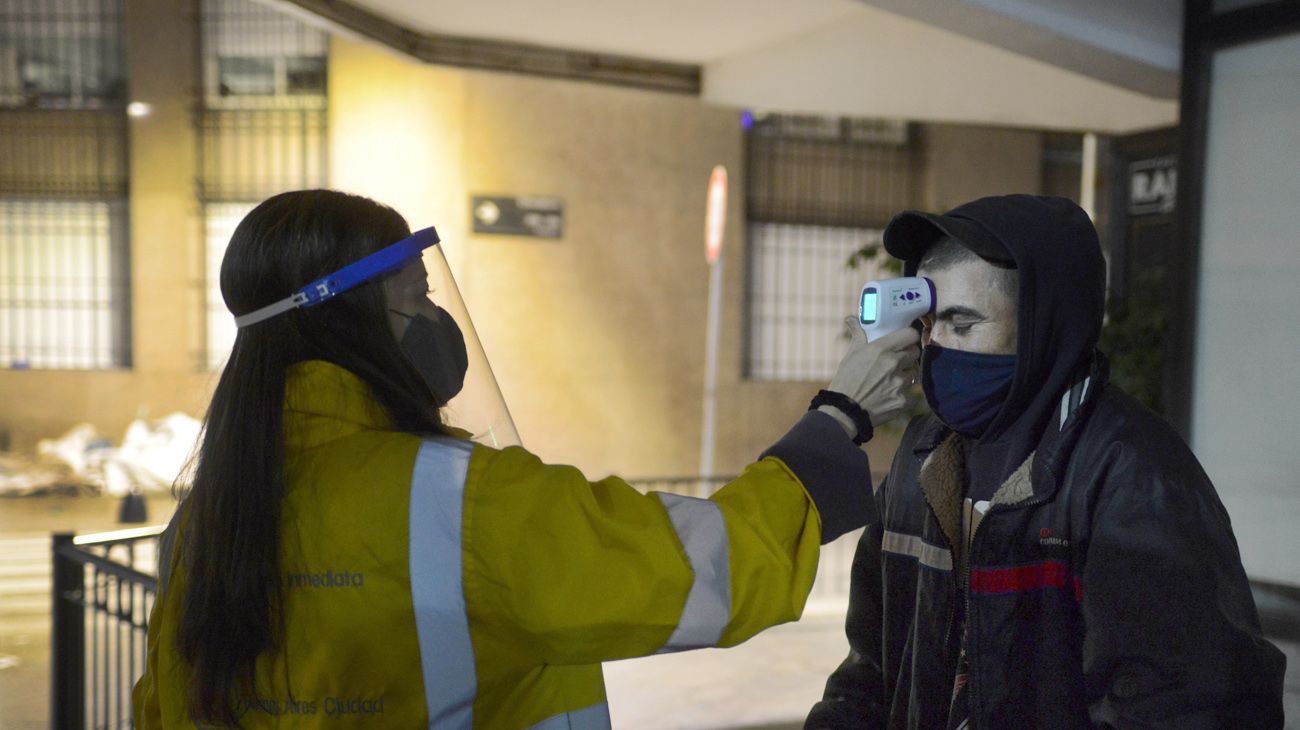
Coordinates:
<point>911,232</point>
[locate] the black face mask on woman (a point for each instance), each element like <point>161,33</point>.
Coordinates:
<point>437,350</point>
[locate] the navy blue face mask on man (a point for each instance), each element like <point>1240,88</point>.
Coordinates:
<point>966,390</point>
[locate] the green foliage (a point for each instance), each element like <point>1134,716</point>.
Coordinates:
<point>1134,338</point>
<point>875,252</point>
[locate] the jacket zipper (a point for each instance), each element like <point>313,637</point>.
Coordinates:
<point>966,569</point>
<point>970,661</point>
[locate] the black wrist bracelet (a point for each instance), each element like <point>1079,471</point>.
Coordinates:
<point>848,407</point>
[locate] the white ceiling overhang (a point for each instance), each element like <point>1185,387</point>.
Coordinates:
<point>1104,65</point>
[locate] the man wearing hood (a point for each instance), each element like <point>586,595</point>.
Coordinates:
<point>1050,553</point>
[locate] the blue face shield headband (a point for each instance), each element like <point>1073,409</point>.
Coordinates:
<point>379,263</point>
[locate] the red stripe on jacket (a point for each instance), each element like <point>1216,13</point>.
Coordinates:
<point>1047,574</point>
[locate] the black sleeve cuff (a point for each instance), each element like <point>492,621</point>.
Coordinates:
<point>835,472</point>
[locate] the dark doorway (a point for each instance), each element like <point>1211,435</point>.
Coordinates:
<point>1144,248</point>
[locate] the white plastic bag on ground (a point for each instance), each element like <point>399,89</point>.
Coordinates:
<point>23,476</point>
<point>150,458</point>
<point>152,455</point>
<point>82,449</point>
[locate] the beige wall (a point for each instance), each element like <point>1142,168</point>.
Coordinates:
<point>604,369</point>
<point>164,257</point>
<point>963,162</point>
<point>596,338</point>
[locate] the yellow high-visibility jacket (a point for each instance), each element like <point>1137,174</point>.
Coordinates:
<point>433,582</point>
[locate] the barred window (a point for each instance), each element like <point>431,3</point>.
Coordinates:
<point>64,278</point>
<point>803,290</point>
<point>820,190</point>
<point>61,55</point>
<point>262,128</point>
<point>256,57</point>
<point>220,221</point>
<point>251,154</point>
<point>62,296</point>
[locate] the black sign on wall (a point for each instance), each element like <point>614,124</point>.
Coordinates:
<point>539,217</point>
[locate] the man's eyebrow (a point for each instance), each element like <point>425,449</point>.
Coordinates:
<point>950,313</point>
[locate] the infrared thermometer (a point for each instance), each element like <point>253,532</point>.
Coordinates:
<point>888,305</point>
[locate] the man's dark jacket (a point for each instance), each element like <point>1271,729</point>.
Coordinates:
<point>1104,587</point>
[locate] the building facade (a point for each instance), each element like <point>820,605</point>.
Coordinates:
<point>597,336</point>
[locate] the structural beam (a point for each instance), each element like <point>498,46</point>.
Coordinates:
<point>505,56</point>
<point>1051,45</point>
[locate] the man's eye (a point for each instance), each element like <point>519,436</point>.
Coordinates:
<point>961,329</point>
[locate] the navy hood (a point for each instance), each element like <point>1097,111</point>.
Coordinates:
<point>1062,295</point>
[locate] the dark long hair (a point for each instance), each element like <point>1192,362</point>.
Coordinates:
<point>231,537</point>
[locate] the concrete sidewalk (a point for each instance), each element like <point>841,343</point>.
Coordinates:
<point>768,682</point>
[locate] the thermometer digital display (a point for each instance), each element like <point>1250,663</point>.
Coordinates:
<point>888,305</point>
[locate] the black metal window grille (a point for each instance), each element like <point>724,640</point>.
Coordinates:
<point>76,154</point>
<point>220,221</point>
<point>61,54</point>
<point>104,587</point>
<point>64,277</point>
<point>801,289</point>
<point>262,128</point>
<point>62,301</point>
<point>256,57</point>
<point>819,189</point>
<point>250,154</point>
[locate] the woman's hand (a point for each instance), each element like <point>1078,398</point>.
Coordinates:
<point>876,375</point>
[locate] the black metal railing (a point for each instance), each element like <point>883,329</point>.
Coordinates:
<point>103,589</point>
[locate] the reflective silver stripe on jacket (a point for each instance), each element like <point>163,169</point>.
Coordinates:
<point>931,556</point>
<point>437,590</point>
<point>595,717</point>
<point>703,534</point>
<point>1073,398</point>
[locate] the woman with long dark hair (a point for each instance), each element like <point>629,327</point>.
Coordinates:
<point>344,556</point>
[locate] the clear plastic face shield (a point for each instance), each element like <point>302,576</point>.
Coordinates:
<point>431,322</point>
